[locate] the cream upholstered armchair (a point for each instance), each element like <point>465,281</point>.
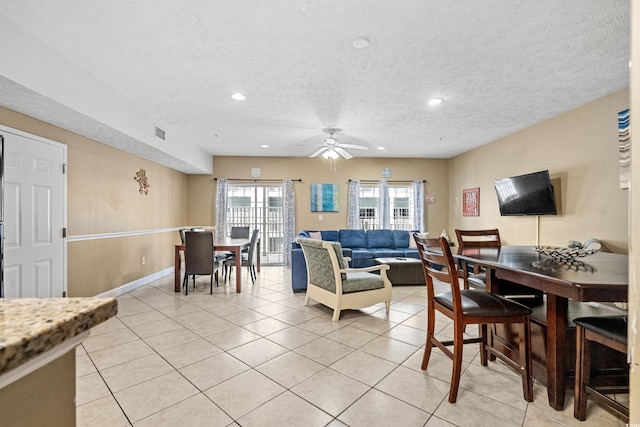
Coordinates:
<point>332,283</point>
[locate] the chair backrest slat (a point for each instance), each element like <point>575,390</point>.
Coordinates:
<point>478,239</point>
<point>438,263</point>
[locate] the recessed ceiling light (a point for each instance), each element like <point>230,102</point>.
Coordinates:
<point>238,97</point>
<point>264,146</point>
<point>435,101</point>
<point>361,42</point>
<point>380,148</point>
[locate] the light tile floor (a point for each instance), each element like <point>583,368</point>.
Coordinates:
<point>261,358</point>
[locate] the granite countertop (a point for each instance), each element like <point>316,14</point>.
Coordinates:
<point>30,327</point>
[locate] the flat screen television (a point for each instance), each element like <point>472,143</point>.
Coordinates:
<point>530,194</point>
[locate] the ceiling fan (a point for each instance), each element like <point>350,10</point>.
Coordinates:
<point>332,148</point>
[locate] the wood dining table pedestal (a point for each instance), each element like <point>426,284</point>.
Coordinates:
<point>600,277</point>
<point>220,245</point>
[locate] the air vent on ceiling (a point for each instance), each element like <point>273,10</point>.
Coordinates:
<point>159,133</point>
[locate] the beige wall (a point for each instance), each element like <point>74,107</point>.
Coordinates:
<point>634,254</point>
<point>317,171</point>
<point>103,197</point>
<point>579,148</point>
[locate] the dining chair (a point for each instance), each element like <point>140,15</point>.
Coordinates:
<point>475,277</point>
<point>182,231</point>
<point>236,233</point>
<point>611,332</point>
<point>468,307</point>
<point>199,258</point>
<point>249,259</point>
<point>239,232</point>
<point>333,284</point>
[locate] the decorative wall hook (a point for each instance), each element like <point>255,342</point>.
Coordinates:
<point>141,177</point>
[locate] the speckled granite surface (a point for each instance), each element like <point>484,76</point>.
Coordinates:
<point>30,326</point>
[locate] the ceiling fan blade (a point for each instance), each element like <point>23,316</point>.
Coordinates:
<point>342,153</point>
<point>354,146</point>
<point>317,153</point>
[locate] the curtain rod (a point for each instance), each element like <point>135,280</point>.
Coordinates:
<point>258,180</point>
<point>391,180</point>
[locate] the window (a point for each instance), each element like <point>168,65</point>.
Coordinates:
<point>401,207</point>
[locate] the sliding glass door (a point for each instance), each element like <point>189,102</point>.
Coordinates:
<point>258,206</point>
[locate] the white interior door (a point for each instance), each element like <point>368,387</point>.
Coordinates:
<point>34,216</point>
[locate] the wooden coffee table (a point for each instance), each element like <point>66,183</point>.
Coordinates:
<point>403,271</point>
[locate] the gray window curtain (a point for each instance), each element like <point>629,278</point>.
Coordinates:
<point>418,206</point>
<point>385,213</point>
<point>353,210</point>
<point>289,216</point>
<point>221,207</point>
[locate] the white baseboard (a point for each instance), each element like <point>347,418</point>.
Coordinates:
<point>128,287</point>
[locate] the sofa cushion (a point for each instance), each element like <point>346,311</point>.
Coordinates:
<point>379,239</point>
<point>330,235</point>
<point>401,239</point>
<point>410,253</point>
<point>353,238</point>
<point>360,253</point>
<point>386,252</point>
<point>361,281</point>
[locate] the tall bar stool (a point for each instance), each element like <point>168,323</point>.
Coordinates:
<point>611,332</point>
<point>469,307</point>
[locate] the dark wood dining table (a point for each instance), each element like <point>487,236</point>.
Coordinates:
<point>599,277</point>
<point>220,245</point>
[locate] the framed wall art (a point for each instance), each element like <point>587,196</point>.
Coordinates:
<point>324,197</point>
<point>624,148</point>
<point>471,202</point>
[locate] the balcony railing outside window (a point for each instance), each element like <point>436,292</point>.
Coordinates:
<point>259,207</point>
<point>401,203</point>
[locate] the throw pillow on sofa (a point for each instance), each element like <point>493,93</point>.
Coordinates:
<point>412,241</point>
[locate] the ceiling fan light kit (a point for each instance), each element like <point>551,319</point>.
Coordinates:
<point>332,148</point>
<point>330,154</point>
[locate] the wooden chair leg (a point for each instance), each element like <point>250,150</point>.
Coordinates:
<point>583,368</point>
<point>526,362</point>
<point>482,330</point>
<point>428,345</point>
<point>490,340</point>
<point>458,345</point>
<point>185,283</point>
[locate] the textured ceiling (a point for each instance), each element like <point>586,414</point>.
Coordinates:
<point>499,65</point>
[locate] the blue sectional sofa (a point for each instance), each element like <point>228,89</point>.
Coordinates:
<point>360,245</point>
